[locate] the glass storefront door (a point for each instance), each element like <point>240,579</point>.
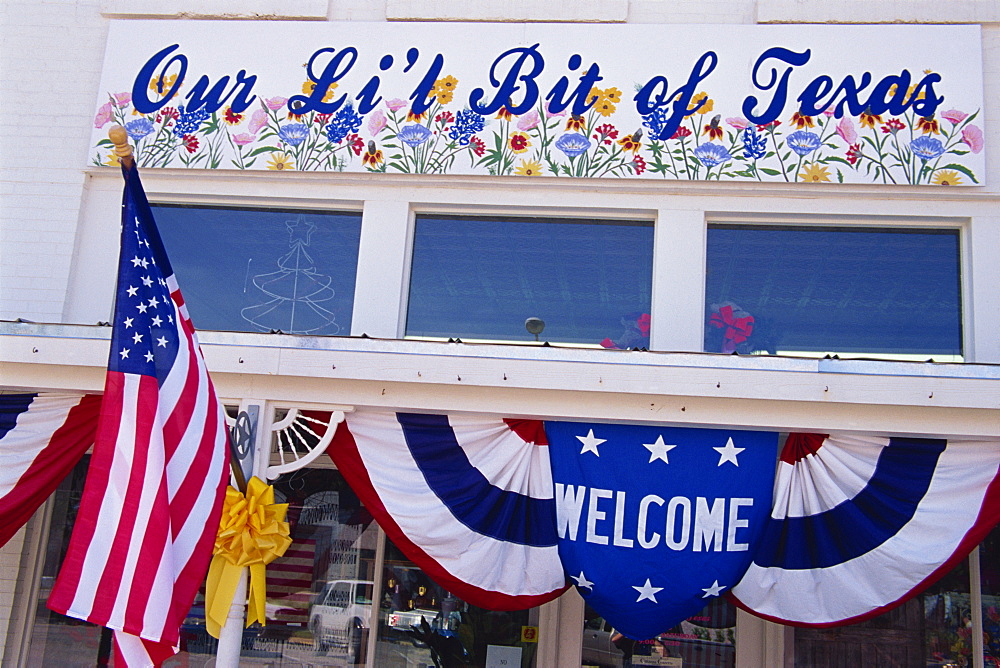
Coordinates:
<point>418,622</point>
<point>705,640</point>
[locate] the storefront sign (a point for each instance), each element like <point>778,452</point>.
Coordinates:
<point>852,104</point>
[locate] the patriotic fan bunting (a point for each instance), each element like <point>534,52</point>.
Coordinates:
<point>861,524</point>
<point>468,499</point>
<point>42,437</point>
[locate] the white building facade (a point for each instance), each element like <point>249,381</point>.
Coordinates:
<point>425,266</point>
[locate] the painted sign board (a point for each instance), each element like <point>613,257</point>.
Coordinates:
<point>886,104</point>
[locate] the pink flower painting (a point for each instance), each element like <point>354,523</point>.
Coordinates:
<point>845,128</point>
<point>103,115</point>
<point>973,136</point>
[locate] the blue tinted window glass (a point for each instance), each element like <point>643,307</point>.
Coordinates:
<point>256,270</point>
<point>481,278</point>
<point>837,290</point>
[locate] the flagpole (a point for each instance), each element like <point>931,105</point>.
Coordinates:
<point>231,635</point>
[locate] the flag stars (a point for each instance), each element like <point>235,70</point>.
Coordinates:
<point>149,356</point>
<point>714,590</point>
<point>124,353</point>
<point>647,592</point>
<point>156,321</point>
<point>590,443</point>
<point>145,263</point>
<point>162,342</point>
<point>142,308</point>
<point>582,581</point>
<point>136,261</point>
<point>728,453</point>
<point>658,450</point>
<point>132,290</point>
<point>128,322</point>
<point>137,337</point>
<point>147,281</point>
<point>153,302</point>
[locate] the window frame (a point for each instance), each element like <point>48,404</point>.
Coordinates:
<point>636,216</point>
<point>879,222</point>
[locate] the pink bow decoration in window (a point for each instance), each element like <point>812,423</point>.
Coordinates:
<point>738,329</point>
<point>636,334</point>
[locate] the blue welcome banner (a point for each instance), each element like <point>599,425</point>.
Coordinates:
<point>656,522</point>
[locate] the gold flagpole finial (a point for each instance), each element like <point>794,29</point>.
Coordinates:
<point>119,137</point>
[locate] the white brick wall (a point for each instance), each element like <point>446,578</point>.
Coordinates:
<point>52,53</point>
<point>10,560</point>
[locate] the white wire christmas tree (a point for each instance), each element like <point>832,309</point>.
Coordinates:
<point>297,290</point>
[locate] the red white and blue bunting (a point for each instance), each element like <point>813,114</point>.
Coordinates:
<point>507,513</point>
<point>858,524</point>
<point>469,499</point>
<point>861,523</point>
<point>42,437</point>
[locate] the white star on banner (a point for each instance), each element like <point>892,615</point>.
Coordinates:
<point>582,581</point>
<point>728,453</point>
<point>590,443</point>
<point>658,450</point>
<point>647,591</point>
<point>714,590</point>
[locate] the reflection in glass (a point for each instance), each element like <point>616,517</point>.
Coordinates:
<point>319,593</point>
<point>57,640</point>
<point>258,270</point>
<point>989,560</point>
<point>839,290</point>
<point>419,620</point>
<point>931,630</point>
<point>705,640</point>
<point>482,278</point>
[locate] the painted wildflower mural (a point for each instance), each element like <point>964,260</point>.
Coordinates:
<point>445,129</point>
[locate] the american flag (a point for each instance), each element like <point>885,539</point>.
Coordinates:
<point>151,503</point>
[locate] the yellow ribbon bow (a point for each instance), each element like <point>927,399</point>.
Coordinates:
<point>252,533</point>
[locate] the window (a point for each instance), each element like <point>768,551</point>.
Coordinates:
<point>860,290</point>
<point>258,270</point>
<point>705,640</point>
<point>482,278</point>
<point>939,628</point>
<point>460,633</point>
